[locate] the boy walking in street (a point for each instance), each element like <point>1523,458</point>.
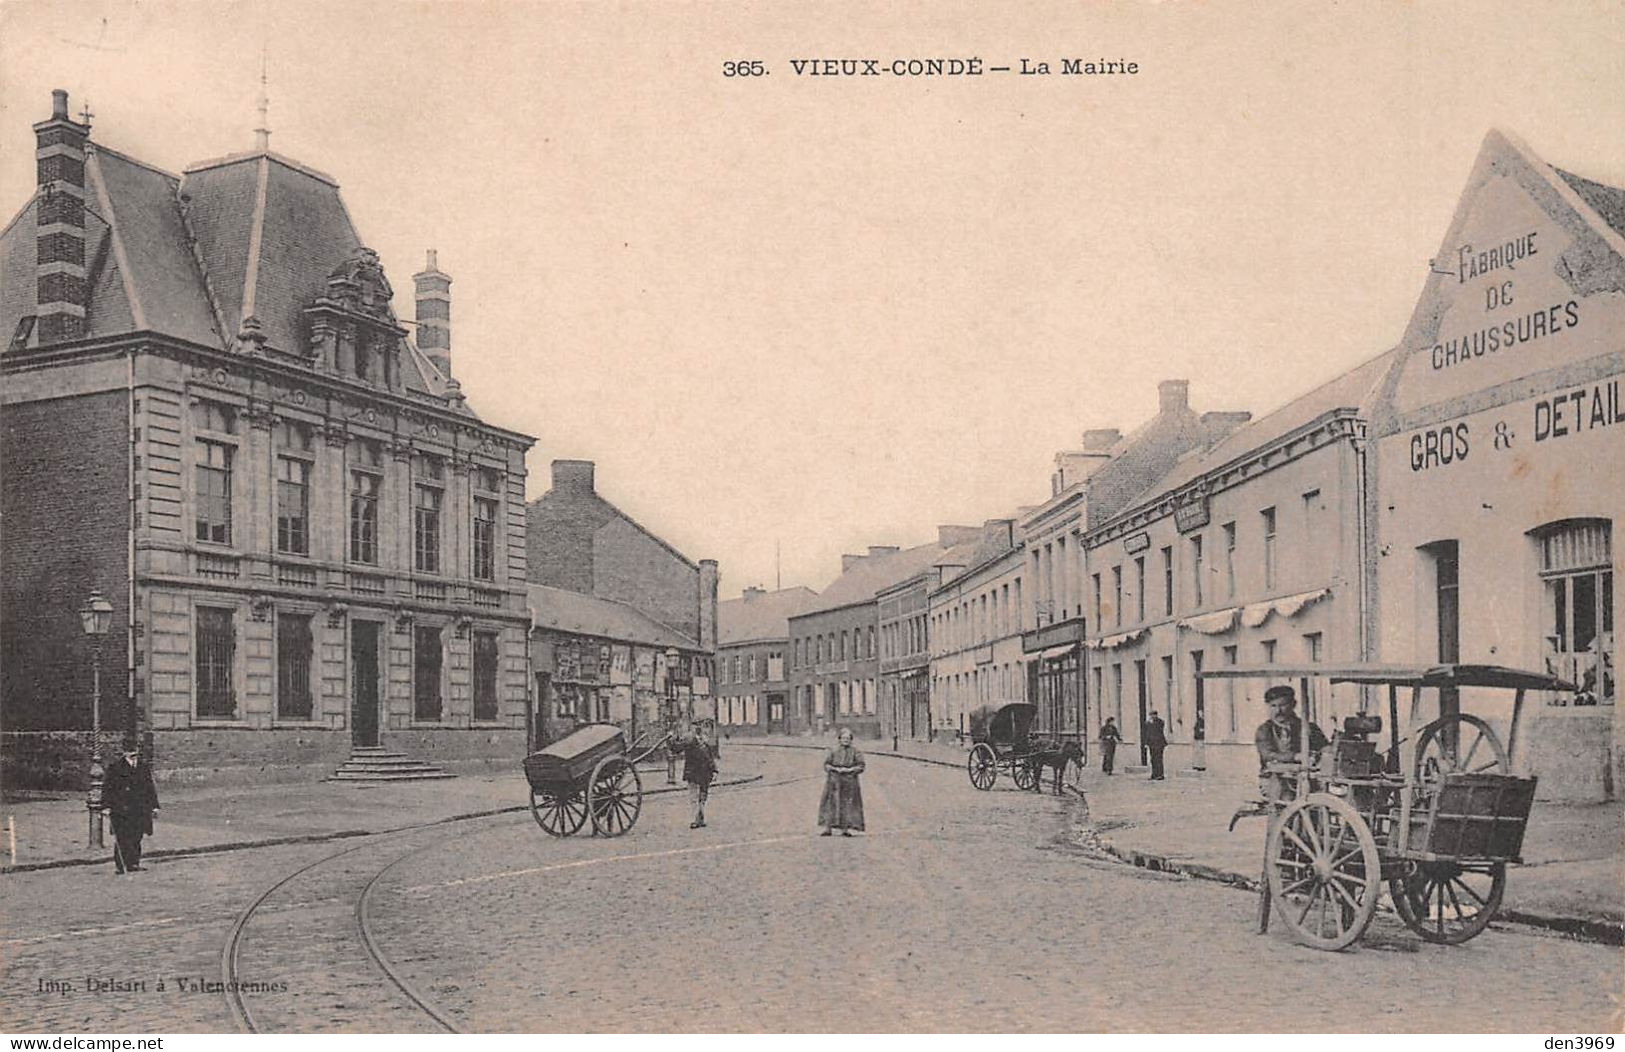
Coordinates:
<point>699,770</point>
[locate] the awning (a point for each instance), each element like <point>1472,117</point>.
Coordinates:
<point>1255,614</point>
<point>1123,640</point>
<point>1054,653</point>
<point>1212,624</point>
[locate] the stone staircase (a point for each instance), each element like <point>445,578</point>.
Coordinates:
<point>376,764</point>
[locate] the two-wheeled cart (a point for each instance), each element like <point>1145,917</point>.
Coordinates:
<point>1438,827</point>
<point>588,773</point>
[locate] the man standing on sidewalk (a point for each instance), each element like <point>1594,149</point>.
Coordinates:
<point>1109,737</point>
<point>130,797</point>
<point>1155,740</point>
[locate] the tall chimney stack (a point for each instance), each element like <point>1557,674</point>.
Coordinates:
<point>60,223</point>
<point>1174,396</point>
<point>434,313</point>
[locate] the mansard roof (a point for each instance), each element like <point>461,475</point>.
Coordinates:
<point>190,256</point>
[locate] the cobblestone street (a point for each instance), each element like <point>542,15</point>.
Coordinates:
<point>958,910</point>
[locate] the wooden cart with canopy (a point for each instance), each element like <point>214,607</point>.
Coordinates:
<point>1437,822</point>
<point>1002,740</point>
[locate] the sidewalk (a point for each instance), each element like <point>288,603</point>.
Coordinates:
<point>1572,879</point>
<point>52,832</point>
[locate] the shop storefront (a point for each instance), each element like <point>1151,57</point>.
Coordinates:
<point>1494,490</point>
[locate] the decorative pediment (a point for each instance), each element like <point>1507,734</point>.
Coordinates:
<point>358,284</point>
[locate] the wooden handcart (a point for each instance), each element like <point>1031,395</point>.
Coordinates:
<point>587,774</point>
<point>1437,827</point>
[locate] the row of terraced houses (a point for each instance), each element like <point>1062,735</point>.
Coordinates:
<point>1451,498</point>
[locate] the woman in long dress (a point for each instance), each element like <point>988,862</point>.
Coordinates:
<point>842,804</point>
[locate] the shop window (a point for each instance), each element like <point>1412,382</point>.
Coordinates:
<point>1576,567</point>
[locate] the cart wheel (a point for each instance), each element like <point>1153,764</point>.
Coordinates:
<point>614,796</point>
<point>1458,744</point>
<point>560,812</point>
<point>1449,902</point>
<point>1025,772</point>
<point>983,767</point>
<point>1324,874</point>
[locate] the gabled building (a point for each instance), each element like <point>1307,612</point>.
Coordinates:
<point>1497,440</point>
<point>578,542</point>
<point>213,417</point>
<point>753,659</point>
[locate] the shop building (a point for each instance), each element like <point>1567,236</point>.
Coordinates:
<point>1247,551</point>
<point>577,541</point>
<point>601,661</point>
<point>835,657</point>
<point>752,682</point>
<point>976,656</point>
<point>1495,480</point>
<point>213,417</point>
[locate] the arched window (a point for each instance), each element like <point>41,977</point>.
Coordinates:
<point>1576,567</point>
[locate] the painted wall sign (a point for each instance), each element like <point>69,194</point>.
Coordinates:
<point>1191,514</point>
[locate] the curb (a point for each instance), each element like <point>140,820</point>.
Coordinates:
<point>1608,933</point>
<point>318,838</point>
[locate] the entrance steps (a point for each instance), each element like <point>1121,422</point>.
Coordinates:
<point>376,764</point>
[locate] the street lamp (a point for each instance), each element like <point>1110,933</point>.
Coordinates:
<point>671,713</point>
<point>96,617</point>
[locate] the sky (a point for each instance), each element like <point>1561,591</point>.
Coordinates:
<point>793,316</point>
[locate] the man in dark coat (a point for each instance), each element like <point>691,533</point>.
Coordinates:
<point>130,798</point>
<point>1109,737</point>
<point>1156,740</point>
<point>1278,739</point>
<point>699,769</point>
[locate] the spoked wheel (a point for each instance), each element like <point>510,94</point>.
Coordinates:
<point>1324,874</point>
<point>614,796</point>
<point>560,812</point>
<point>1449,902</point>
<point>1458,744</point>
<point>983,767</point>
<point>1025,772</point>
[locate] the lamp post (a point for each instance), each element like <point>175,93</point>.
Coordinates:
<point>96,617</point>
<point>671,713</point>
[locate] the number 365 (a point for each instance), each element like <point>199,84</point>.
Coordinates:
<point>742,68</point>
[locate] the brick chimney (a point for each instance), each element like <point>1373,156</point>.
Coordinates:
<point>60,221</point>
<point>1217,425</point>
<point>434,313</point>
<point>754,592</point>
<point>708,604</point>
<point>948,536</point>
<point>876,550</point>
<point>1100,439</point>
<point>573,476</point>
<point>849,561</point>
<point>1173,396</point>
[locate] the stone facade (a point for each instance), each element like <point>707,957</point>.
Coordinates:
<point>310,538</point>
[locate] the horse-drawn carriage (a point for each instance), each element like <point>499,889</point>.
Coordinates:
<point>1437,827</point>
<point>587,774</point>
<point>1002,740</point>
